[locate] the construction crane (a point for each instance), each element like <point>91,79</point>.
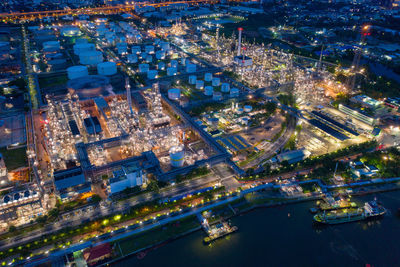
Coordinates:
<point>351,81</point>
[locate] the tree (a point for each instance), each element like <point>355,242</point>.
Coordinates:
<point>270,107</point>
<point>95,198</point>
<point>54,213</point>
<point>153,186</point>
<point>12,229</point>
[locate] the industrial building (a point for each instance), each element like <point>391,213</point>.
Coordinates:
<point>357,114</point>
<point>127,176</point>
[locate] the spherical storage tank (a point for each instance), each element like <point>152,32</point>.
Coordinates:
<point>216,81</point>
<point>83,48</point>
<point>91,58</point>
<point>161,65</point>
<point>247,108</point>
<point>177,156</point>
<point>160,54</point>
<point>192,79</point>
<point>174,63</point>
<point>208,90</point>
<point>190,68</point>
<point>217,96</point>
<point>132,58</point>
<point>171,71</point>
<point>234,92</point>
<point>208,77</point>
<point>174,93</point>
<point>199,84</point>
<point>225,87</point>
<point>107,68</point>
<point>77,71</point>
<point>143,67</point>
<point>149,59</point>
<point>152,74</point>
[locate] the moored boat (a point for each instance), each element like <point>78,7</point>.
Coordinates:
<point>369,210</point>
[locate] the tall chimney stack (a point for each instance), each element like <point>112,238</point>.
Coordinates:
<point>240,41</point>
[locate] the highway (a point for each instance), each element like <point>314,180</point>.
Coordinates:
<point>86,213</point>
<point>97,10</point>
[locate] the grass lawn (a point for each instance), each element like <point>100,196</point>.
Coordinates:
<point>14,158</point>
<point>45,82</point>
<point>157,235</point>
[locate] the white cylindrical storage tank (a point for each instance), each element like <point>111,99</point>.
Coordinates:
<point>83,48</point>
<point>132,58</point>
<point>199,84</point>
<point>107,68</point>
<point>192,79</point>
<point>77,72</point>
<point>160,54</point>
<point>149,49</point>
<point>165,46</point>
<point>190,68</point>
<point>144,67</point>
<point>136,49</point>
<point>143,55</point>
<point>245,120</point>
<point>149,59</point>
<point>91,58</point>
<point>161,65</point>
<point>208,77</point>
<point>174,63</point>
<point>152,74</point>
<point>171,71</point>
<point>177,155</point>
<point>216,81</point>
<point>217,96</point>
<point>247,108</point>
<point>174,93</point>
<point>225,87</point>
<point>208,90</point>
<point>234,92</point>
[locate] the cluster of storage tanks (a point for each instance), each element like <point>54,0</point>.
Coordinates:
<point>215,82</point>
<point>88,55</point>
<point>103,68</point>
<point>118,33</point>
<point>145,57</point>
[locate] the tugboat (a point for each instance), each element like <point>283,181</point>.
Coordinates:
<point>371,209</point>
<point>219,230</point>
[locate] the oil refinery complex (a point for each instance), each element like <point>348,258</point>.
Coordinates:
<point>154,103</point>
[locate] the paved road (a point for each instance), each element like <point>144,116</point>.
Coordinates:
<point>270,149</point>
<point>78,217</point>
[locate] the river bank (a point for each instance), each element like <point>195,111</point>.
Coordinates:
<point>284,235</point>
<point>242,207</point>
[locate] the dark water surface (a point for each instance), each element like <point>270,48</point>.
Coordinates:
<point>270,237</point>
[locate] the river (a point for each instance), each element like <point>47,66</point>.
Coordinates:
<point>285,236</point>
